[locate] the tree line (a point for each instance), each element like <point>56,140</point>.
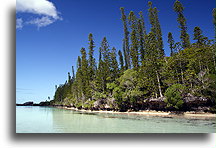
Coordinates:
<point>126,78</point>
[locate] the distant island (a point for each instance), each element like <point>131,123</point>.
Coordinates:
<point>30,103</point>
<point>140,76</point>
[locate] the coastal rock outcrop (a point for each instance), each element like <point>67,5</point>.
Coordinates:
<point>196,103</point>
<point>156,103</point>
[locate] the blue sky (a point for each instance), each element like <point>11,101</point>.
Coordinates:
<point>50,34</point>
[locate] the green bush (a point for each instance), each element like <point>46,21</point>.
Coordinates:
<point>174,96</point>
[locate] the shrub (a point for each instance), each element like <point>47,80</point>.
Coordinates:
<point>174,95</point>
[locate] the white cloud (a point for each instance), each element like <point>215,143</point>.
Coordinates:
<point>43,8</point>
<point>19,23</point>
<point>42,22</point>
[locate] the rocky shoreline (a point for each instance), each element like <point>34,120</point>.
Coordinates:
<point>170,114</point>
<point>193,107</point>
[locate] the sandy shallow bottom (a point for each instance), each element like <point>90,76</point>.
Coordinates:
<point>197,115</point>
<point>71,120</point>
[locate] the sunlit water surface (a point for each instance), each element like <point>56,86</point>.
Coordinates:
<point>55,120</point>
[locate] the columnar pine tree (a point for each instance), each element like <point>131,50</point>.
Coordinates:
<point>185,38</point>
<point>78,62</point>
<point>155,38</point>
<point>153,64</point>
<point>126,49</point>
<point>134,40</point>
<point>85,74</point>
<point>122,88</point>
<point>99,73</point>
<point>69,78</point>
<point>171,43</point>
<point>158,33</point>
<point>103,71</point>
<point>141,35</point>
<point>121,60</point>
<point>156,28</point>
<point>151,17</point>
<point>78,79</point>
<point>198,36</point>
<point>105,52</point>
<point>142,22</point>
<point>114,65</point>
<point>214,48</point>
<point>73,73</point>
<point>214,21</point>
<point>91,60</point>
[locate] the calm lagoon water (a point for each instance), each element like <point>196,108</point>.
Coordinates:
<point>55,120</point>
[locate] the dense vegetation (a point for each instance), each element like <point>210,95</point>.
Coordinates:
<point>130,78</point>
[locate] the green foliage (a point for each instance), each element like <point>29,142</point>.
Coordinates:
<point>141,36</point>
<point>201,40</point>
<point>89,104</point>
<point>107,68</point>
<point>121,60</point>
<point>85,75</point>
<point>111,86</point>
<point>126,49</point>
<point>73,74</point>
<point>91,61</point>
<point>99,95</point>
<point>171,43</point>
<point>128,79</point>
<point>128,89</point>
<point>114,70</point>
<point>174,95</point>
<point>185,38</point>
<point>190,68</point>
<point>156,28</point>
<point>214,21</point>
<point>134,49</point>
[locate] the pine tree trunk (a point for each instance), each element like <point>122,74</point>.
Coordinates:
<point>159,86</point>
<point>156,94</point>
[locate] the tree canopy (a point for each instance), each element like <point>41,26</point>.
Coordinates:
<point>127,78</point>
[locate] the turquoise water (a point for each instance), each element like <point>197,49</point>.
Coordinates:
<point>54,120</point>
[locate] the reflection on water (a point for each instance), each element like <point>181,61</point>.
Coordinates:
<point>54,120</point>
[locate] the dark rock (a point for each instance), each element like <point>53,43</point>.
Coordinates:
<point>176,113</point>
<point>19,104</point>
<point>46,103</point>
<point>99,104</point>
<point>28,103</point>
<point>156,103</point>
<point>213,109</point>
<point>195,103</point>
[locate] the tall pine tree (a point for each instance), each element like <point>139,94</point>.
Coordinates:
<point>185,38</point>
<point>103,71</point>
<point>126,48</point>
<point>214,50</point>
<point>198,36</point>
<point>141,35</point>
<point>171,43</point>
<point>214,21</point>
<point>121,60</point>
<point>113,65</point>
<point>156,28</point>
<point>134,40</point>
<point>85,75</point>
<point>153,64</point>
<point>91,60</point>
<point>73,73</point>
